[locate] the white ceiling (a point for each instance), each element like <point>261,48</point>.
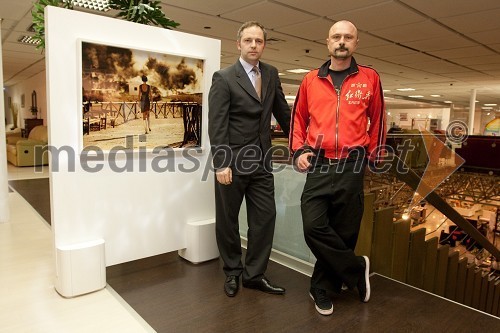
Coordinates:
<point>444,47</point>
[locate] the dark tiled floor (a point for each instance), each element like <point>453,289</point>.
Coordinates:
<point>36,192</point>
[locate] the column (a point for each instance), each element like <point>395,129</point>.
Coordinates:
<point>4,192</point>
<point>472,111</point>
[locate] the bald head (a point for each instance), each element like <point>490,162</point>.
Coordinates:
<point>344,25</point>
<point>342,40</point>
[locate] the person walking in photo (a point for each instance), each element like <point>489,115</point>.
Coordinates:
<point>241,100</point>
<point>145,97</point>
<point>338,124</point>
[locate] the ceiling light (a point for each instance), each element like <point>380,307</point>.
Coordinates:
<point>416,96</point>
<point>405,89</point>
<point>488,113</point>
<point>274,40</point>
<point>290,98</point>
<point>28,40</point>
<point>298,70</point>
<point>486,108</point>
<point>490,104</point>
<point>100,5</point>
<point>435,95</point>
<point>281,74</point>
<point>449,102</point>
<point>386,90</point>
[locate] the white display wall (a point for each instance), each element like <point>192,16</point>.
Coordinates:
<point>138,214</point>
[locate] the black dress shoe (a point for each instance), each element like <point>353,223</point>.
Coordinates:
<point>231,285</point>
<point>265,286</point>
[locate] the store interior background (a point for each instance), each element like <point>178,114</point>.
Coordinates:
<point>447,52</point>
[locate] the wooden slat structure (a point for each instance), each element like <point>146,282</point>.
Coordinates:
<point>476,293</point>
<point>404,255</point>
<point>416,258</point>
<point>382,241</point>
<point>400,250</point>
<point>461,278</point>
<point>495,310</point>
<point>429,266</point>
<point>451,276</point>
<point>441,270</point>
<point>365,237</point>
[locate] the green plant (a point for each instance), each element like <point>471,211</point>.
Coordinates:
<point>140,11</point>
<point>39,19</point>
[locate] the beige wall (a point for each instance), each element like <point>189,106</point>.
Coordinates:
<point>15,92</point>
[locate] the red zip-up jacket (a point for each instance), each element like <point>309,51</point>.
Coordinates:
<point>331,124</point>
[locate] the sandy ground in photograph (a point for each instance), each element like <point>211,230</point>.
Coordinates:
<point>164,132</point>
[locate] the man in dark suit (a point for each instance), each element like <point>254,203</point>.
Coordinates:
<point>241,100</point>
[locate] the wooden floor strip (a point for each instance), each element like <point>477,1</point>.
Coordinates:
<point>173,295</point>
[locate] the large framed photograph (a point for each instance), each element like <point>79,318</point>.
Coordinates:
<point>155,98</point>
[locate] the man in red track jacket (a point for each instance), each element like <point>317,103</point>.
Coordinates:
<point>338,123</point>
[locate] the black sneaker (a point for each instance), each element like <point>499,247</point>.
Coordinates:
<point>364,280</point>
<point>322,302</point>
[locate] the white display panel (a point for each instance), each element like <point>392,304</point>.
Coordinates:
<point>138,202</point>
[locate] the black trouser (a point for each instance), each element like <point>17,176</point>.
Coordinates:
<point>258,190</point>
<point>332,208</point>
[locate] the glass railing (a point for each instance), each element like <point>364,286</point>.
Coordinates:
<point>288,236</point>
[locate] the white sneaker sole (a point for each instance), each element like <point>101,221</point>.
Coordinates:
<point>367,279</point>
<point>321,311</point>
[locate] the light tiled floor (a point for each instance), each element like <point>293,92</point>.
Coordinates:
<point>28,299</point>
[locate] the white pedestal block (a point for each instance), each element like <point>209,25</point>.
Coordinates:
<point>81,268</point>
<point>200,242</point>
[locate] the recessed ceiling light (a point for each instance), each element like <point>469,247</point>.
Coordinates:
<point>281,74</point>
<point>298,70</point>
<point>490,104</point>
<point>405,89</point>
<point>100,5</point>
<point>28,40</point>
<point>487,108</point>
<point>449,102</point>
<point>386,90</point>
<point>488,113</point>
<point>416,96</point>
<point>435,95</point>
<point>290,98</point>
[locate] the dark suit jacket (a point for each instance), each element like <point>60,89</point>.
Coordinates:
<point>239,124</point>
